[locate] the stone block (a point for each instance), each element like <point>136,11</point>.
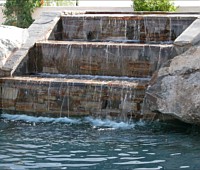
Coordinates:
<point>40,107</point>
<point>8,104</point>
<point>190,36</point>
<point>9,93</point>
<point>24,106</point>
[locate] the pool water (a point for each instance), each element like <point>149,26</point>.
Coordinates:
<point>28,142</point>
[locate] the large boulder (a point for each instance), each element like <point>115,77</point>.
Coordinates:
<point>11,39</point>
<point>175,88</point>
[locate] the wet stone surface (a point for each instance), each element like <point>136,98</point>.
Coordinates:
<point>141,28</point>
<point>74,97</point>
<point>131,45</point>
<point>99,58</point>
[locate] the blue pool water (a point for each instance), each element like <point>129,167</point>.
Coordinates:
<point>86,143</point>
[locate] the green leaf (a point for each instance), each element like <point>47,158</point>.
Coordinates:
<point>153,5</point>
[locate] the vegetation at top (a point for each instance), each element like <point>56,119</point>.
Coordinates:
<point>19,12</point>
<point>153,5</point>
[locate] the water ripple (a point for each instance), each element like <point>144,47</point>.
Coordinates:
<point>90,143</point>
<point>156,168</point>
<point>139,162</point>
<point>77,159</point>
<point>132,158</point>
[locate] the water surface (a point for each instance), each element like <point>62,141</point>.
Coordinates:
<point>86,143</point>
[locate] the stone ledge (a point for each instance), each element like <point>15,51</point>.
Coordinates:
<point>190,36</point>
<point>54,81</point>
<point>39,30</point>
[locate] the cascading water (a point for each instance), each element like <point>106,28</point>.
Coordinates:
<point>102,46</point>
<point>96,67</point>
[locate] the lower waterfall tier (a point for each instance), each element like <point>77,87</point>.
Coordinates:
<point>73,96</point>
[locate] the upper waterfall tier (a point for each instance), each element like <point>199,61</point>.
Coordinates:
<point>121,27</point>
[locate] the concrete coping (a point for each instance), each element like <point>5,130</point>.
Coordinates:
<point>39,30</point>
<point>86,11</point>
<point>139,83</point>
<point>112,13</point>
<point>190,36</point>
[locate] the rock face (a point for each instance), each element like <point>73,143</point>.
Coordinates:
<point>11,39</point>
<point>175,89</point>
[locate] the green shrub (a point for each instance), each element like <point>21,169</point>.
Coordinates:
<point>19,12</point>
<point>153,5</point>
<point>60,2</point>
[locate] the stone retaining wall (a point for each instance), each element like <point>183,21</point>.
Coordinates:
<point>64,97</point>
<point>98,58</point>
<point>71,97</point>
<point>145,28</point>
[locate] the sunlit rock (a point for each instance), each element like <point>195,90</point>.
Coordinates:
<point>175,89</point>
<point>11,39</point>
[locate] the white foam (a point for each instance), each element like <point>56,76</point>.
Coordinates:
<point>33,119</point>
<point>101,124</point>
<point>109,123</point>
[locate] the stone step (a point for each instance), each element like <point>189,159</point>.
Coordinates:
<point>73,96</point>
<point>145,28</point>
<point>98,58</point>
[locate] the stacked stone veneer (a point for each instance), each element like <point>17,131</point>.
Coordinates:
<point>64,97</point>
<point>129,27</point>
<point>99,44</point>
<point>98,58</point>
